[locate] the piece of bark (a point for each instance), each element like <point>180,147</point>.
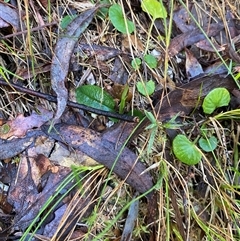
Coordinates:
<point>11,148</point>
<point>105,152</point>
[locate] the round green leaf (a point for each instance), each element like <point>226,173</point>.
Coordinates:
<point>136,62</point>
<point>117,19</point>
<point>185,150</point>
<point>208,144</point>
<point>5,128</point>
<point>216,98</point>
<point>150,60</point>
<point>154,8</point>
<point>94,96</point>
<point>146,88</point>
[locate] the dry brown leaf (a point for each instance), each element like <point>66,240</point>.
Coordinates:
<point>193,67</point>
<point>192,37</point>
<point>9,16</point>
<point>19,126</point>
<point>62,55</point>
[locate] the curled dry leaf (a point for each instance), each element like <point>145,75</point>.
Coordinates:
<point>62,55</point>
<point>103,151</point>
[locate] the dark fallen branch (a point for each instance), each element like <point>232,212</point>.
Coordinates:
<point>51,98</point>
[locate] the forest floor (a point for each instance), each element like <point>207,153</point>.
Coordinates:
<point>119,120</point>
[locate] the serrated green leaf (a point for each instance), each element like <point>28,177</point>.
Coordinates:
<point>136,62</point>
<point>150,60</point>
<point>94,96</point>
<point>146,88</point>
<point>185,150</point>
<point>218,97</point>
<point>209,144</point>
<point>154,8</point>
<point>117,19</point>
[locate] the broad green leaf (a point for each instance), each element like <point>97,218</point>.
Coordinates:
<point>146,88</point>
<point>136,62</point>
<point>185,150</point>
<point>208,144</point>
<point>94,96</point>
<point>150,60</point>
<point>155,8</point>
<point>216,98</point>
<point>117,19</point>
<point>67,20</point>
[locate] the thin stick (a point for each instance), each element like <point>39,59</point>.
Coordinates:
<point>69,103</point>
<point>25,31</point>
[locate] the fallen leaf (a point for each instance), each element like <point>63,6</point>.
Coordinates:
<point>191,37</point>
<point>99,52</point>
<point>10,16</point>
<point>119,74</point>
<point>28,73</point>
<point>20,125</point>
<point>205,45</point>
<point>28,200</point>
<point>193,67</point>
<point>181,18</point>
<point>62,55</point>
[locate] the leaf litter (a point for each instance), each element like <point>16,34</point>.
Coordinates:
<point>28,138</point>
<point>62,55</point>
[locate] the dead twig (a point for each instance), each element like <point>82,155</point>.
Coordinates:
<point>69,103</point>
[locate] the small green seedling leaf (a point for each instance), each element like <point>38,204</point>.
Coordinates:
<point>153,127</point>
<point>118,21</point>
<point>218,97</point>
<point>5,128</point>
<point>94,96</point>
<point>123,99</point>
<point>67,20</point>
<point>137,113</point>
<point>150,60</point>
<point>136,62</point>
<point>185,150</point>
<point>103,12</point>
<point>172,123</point>
<point>146,88</point>
<point>150,116</point>
<point>155,8</point>
<point>209,144</point>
